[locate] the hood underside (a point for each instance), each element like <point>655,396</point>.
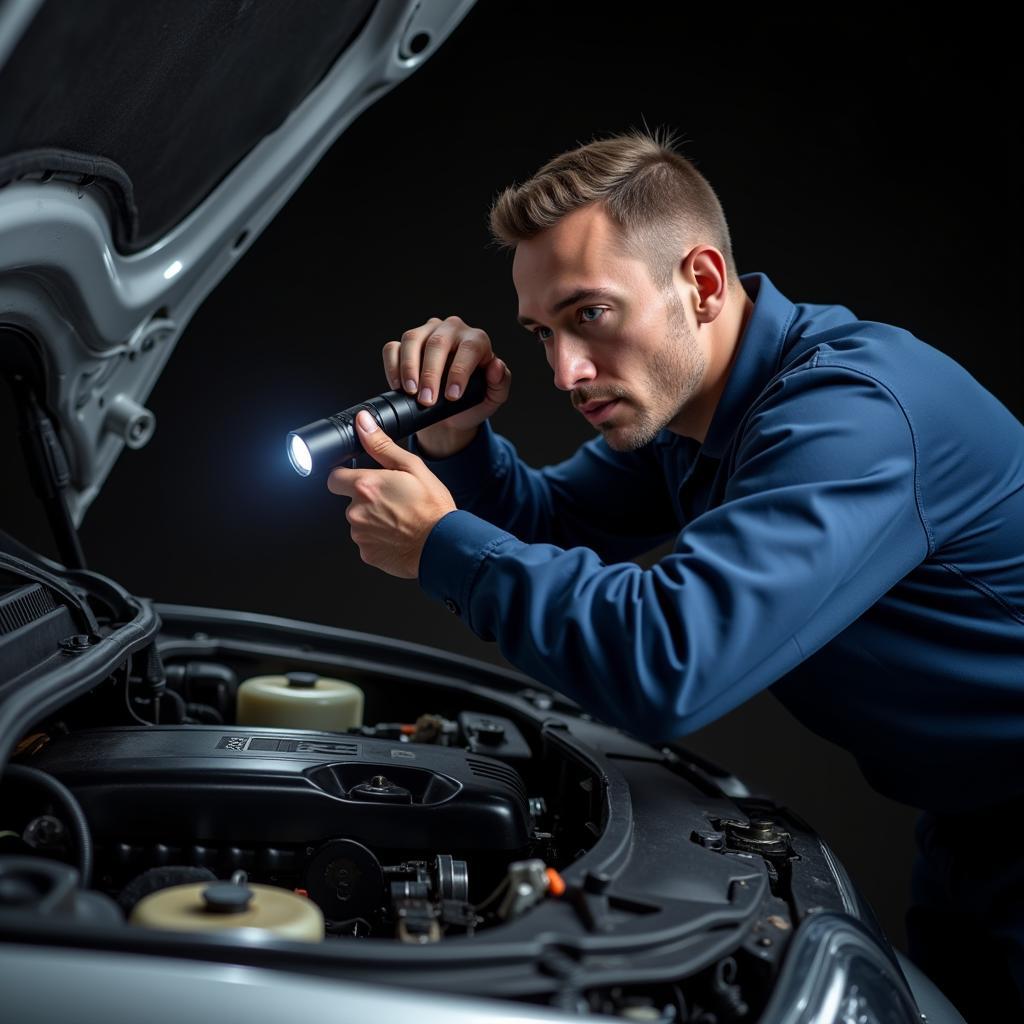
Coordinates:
<point>138,83</point>
<point>143,147</point>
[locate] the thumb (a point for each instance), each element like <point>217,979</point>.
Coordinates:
<point>385,451</point>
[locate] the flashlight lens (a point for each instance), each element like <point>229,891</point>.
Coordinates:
<point>298,453</point>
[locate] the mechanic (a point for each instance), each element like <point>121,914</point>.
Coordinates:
<point>847,504</point>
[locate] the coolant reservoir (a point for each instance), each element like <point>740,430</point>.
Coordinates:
<point>216,906</point>
<point>300,700</point>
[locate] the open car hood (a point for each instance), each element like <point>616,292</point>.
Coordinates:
<point>143,147</point>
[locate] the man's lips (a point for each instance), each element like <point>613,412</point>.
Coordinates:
<point>597,410</point>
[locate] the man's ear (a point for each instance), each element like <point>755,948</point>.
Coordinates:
<point>710,276</point>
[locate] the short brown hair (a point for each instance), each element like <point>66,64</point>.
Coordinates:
<point>659,200</point>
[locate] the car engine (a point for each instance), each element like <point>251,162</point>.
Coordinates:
<point>281,793</point>
<point>351,822</point>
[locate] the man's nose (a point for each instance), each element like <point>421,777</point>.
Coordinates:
<point>571,364</point>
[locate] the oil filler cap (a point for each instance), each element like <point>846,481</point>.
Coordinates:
<point>226,898</point>
<point>380,789</point>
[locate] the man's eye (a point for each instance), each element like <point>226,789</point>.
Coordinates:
<point>600,310</point>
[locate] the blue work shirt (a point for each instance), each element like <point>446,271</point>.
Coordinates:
<point>850,533</point>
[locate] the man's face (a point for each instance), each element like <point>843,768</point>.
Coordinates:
<point>633,345</point>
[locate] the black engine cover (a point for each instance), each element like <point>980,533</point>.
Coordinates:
<point>273,786</point>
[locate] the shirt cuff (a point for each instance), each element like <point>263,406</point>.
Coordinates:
<point>463,472</point>
<point>452,555</point>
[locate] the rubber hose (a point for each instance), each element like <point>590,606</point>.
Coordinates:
<point>73,811</point>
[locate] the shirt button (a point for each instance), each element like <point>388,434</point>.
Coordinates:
<point>451,605</point>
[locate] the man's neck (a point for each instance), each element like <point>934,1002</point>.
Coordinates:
<point>727,333</point>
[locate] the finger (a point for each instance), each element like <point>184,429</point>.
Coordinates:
<point>391,353</point>
<point>473,350</point>
<point>439,342</point>
<point>377,444</point>
<point>411,354</point>
<point>342,481</point>
<point>499,381</point>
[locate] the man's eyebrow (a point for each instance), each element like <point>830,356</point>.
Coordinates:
<point>576,296</point>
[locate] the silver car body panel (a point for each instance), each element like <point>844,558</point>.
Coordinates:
<point>120,987</point>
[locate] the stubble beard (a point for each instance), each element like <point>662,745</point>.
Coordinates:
<point>672,377</point>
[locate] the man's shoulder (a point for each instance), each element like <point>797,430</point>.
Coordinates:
<point>848,351</point>
<point>844,384</point>
<point>834,335</point>
<point>869,385</point>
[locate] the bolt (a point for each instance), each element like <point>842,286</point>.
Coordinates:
<point>77,643</point>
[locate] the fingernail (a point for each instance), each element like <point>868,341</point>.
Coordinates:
<point>366,421</point>
<point>453,391</point>
<point>426,395</point>
<point>410,385</point>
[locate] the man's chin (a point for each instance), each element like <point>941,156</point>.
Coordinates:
<point>628,438</point>
<point>619,439</point>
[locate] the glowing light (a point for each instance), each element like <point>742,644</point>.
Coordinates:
<point>298,454</point>
<point>173,269</point>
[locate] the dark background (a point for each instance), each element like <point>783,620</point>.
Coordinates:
<point>860,160</point>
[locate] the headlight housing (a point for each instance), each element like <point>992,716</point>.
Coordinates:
<point>836,973</point>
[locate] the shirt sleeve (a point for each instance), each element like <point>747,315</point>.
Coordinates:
<point>616,503</point>
<point>820,517</point>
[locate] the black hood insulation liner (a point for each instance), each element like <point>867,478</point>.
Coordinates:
<point>165,100</point>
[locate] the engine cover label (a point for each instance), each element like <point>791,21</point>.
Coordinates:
<point>262,744</point>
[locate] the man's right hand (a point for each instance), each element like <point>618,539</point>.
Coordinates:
<point>416,364</point>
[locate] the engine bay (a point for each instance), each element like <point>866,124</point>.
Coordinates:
<point>453,829</point>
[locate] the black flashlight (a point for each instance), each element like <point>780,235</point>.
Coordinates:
<point>324,444</point>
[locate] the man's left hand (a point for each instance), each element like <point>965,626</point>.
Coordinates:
<point>393,509</point>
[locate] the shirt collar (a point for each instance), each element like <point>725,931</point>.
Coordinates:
<point>756,362</point>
